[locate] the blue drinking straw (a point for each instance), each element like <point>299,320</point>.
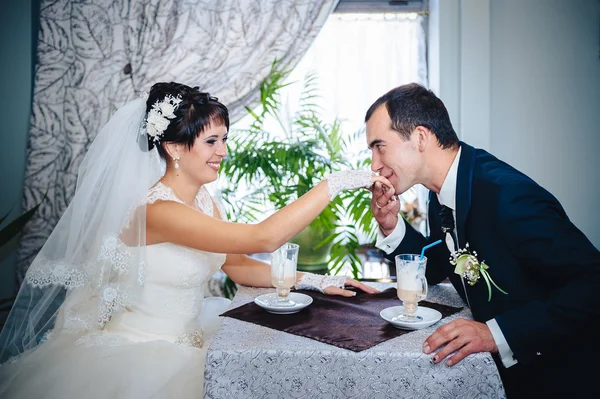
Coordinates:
<point>427,247</point>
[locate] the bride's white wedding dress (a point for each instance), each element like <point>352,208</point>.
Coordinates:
<point>154,349</point>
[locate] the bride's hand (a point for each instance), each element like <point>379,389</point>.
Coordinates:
<point>353,179</point>
<point>384,184</point>
<point>331,285</point>
<point>332,290</point>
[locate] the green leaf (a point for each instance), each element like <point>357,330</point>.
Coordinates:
<point>487,275</point>
<point>229,288</point>
<point>5,216</point>
<point>487,282</point>
<point>14,227</point>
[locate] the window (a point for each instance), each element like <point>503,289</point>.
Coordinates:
<point>357,57</point>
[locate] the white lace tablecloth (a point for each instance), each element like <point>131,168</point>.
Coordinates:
<point>246,360</point>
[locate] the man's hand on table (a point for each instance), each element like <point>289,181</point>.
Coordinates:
<point>461,335</point>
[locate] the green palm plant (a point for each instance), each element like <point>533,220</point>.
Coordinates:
<point>277,166</point>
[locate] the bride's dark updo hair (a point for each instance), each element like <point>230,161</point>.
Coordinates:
<point>196,112</point>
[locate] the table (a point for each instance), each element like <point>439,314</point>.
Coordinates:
<point>246,360</point>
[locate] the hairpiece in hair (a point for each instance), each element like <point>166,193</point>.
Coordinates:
<point>158,117</point>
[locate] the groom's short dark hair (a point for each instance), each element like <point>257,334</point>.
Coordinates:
<point>413,105</point>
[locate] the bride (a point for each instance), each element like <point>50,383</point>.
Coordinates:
<point>112,306</point>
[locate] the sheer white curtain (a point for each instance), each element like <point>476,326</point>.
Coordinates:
<point>358,58</point>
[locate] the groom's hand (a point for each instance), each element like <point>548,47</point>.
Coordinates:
<point>461,335</point>
<point>385,206</point>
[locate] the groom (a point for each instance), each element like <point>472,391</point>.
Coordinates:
<point>541,332</point>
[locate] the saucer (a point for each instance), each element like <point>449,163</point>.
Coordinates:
<point>266,302</point>
<point>430,317</point>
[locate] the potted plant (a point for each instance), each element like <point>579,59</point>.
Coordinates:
<point>267,168</point>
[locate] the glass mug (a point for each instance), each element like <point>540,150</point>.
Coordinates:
<point>412,285</point>
<point>283,272</point>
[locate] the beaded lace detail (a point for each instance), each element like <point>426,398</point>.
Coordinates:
<point>346,180</point>
<point>195,339</point>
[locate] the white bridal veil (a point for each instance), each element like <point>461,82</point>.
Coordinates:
<point>93,262</point>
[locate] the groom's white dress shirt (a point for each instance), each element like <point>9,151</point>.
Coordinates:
<point>447,197</point>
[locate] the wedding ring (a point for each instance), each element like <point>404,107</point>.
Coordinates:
<point>377,205</point>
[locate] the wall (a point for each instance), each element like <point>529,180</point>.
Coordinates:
<point>16,57</point>
<point>522,79</point>
<point>546,99</point>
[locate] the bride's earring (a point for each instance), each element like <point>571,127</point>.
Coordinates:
<point>176,159</point>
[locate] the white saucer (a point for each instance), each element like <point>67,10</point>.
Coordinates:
<point>266,302</point>
<point>430,317</point>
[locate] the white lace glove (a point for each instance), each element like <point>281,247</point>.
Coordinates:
<point>318,282</point>
<point>347,179</point>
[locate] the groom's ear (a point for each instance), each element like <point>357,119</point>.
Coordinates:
<point>424,137</point>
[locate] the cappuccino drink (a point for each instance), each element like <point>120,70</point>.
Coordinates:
<point>284,274</point>
<point>411,285</point>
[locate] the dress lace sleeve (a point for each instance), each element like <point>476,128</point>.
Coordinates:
<point>161,192</point>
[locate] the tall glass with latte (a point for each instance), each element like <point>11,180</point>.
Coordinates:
<point>412,285</point>
<point>284,262</point>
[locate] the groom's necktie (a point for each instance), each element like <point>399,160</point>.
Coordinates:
<point>451,240</point>
<point>447,220</point>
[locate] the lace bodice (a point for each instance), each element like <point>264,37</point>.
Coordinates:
<point>162,192</point>
<point>171,299</point>
<point>143,293</point>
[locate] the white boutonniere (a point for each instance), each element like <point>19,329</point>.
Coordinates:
<point>471,269</point>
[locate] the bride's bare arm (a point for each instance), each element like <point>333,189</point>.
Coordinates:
<point>168,221</point>
<point>251,272</point>
<point>247,271</point>
<point>243,269</point>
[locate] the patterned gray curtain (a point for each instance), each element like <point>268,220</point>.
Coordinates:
<point>95,55</point>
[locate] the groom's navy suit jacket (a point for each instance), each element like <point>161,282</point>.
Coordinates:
<point>549,268</point>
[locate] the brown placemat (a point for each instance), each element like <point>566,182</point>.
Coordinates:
<point>350,323</point>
